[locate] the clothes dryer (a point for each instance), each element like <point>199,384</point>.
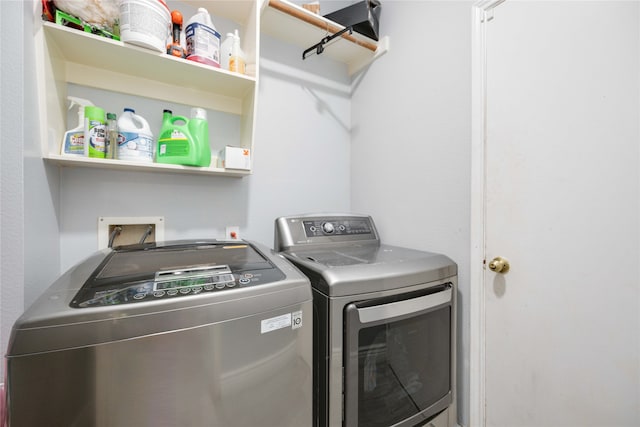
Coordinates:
<point>384,323</point>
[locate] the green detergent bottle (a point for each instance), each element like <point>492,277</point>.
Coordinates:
<point>184,141</point>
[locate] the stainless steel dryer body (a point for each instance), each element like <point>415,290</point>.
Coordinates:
<point>384,323</point>
<point>195,334</point>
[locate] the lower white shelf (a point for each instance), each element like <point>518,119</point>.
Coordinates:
<point>88,162</point>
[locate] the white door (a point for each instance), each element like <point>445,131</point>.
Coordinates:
<point>561,196</point>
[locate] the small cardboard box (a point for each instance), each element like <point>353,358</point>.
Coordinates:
<point>235,158</point>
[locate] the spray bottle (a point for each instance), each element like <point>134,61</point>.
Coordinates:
<point>73,141</point>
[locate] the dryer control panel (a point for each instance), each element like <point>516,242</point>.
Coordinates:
<point>318,230</point>
<point>336,227</point>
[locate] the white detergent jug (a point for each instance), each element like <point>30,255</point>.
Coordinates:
<point>135,139</point>
<point>202,39</point>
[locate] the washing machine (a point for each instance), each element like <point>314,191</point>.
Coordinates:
<point>384,323</point>
<point>189,333</point>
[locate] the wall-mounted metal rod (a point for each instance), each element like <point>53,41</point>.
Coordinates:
<point>310,18</point>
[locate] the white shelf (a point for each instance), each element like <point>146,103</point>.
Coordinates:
<point>95,61</point>
<point>66,55</point>
<point>289,22</point>
<point>79,161</point>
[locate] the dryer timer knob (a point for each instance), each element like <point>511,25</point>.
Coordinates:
<point>328,228</point>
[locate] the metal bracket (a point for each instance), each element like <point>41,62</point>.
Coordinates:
<point>319,47</point>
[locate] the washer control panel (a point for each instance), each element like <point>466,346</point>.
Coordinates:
<point>176,287</point>
<point>156,272</point>
<point>336,227</point>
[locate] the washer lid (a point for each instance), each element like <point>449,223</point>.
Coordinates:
<point>129,262</point>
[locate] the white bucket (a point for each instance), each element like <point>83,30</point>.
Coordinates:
<point>145,23</point>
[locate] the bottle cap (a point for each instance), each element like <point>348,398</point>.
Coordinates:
<point>198,113</point>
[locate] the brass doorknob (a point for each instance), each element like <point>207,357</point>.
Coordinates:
<point>499,265</point>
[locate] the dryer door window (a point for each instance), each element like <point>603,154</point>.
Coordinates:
<point>398,360</point>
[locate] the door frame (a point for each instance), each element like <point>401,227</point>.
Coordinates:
<point>482,13</point>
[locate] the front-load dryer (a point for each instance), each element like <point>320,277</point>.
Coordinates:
<point>384,323</point>
<point>192,333</point>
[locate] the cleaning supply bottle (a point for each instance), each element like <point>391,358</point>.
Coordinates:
<point>202,39</point>
<point>183,141</point>
<point>225,51</point>
<point>95,132</point>
<point>73,140</point>
<point>135,139</point>
<point>112,135</point>
<point>199,129</point>
<point>237,59</point>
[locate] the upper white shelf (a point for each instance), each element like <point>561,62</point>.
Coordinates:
<point>91,60</point>
<point>291,23</point>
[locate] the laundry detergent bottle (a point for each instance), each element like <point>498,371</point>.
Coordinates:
<point>135,139</point>
<point>183,141</point>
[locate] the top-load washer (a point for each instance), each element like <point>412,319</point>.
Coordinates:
<point>191,333</point>
<point>384,323</point>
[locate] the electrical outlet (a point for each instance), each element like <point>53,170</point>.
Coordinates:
<point>232,233</point>
<point>117,231</point>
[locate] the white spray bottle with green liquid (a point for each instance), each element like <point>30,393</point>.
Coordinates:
<point>73,141</point>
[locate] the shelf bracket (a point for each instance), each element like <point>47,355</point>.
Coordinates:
<point>319,47</point>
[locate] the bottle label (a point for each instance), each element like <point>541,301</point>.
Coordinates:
<point>236,64</point>
<point>75,143</point>
<point>97,139</point>
<point>135,147</point>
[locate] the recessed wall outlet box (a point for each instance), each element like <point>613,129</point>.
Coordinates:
<point>232,233</point>
<point>118,231</point>
<point>235,158</point>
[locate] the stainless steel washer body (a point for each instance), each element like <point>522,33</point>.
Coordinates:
<point>361,287</point>
<point>203,333</point>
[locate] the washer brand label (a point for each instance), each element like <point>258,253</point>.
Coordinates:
<point>293,320</point>
<point>296,321</point>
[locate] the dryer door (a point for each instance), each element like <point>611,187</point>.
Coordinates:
<point>398,358</point>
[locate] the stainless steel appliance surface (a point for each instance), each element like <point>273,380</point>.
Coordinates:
<point>189,333</point>
<point>384,323</point>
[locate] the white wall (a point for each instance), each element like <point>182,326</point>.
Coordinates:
<point>411,147</point>
<point>315,150</point>
<point>11,169</point>
<point>291,174</point>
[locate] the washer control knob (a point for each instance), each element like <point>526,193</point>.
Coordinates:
<point>328,228</point>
